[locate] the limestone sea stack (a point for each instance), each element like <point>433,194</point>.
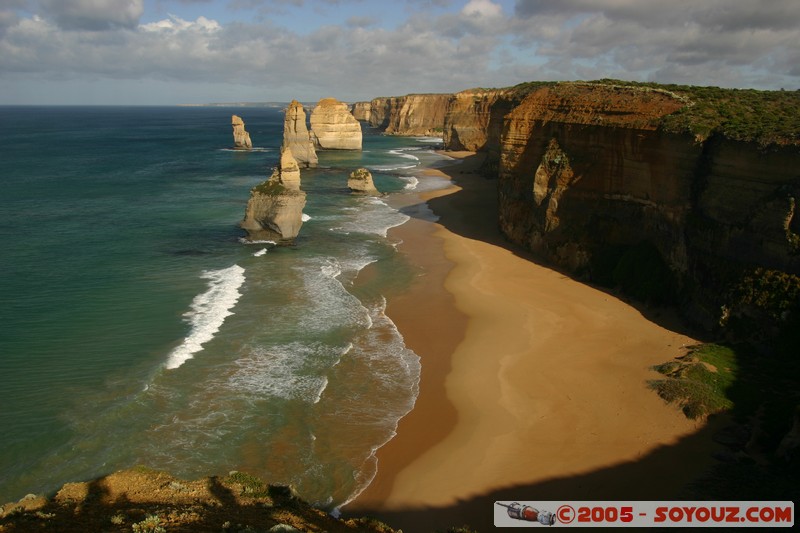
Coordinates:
<point>296,136</point>
<point>360,182</point>
<point>288,171</point>
<point>333,127</point>
<point>241,139</point>
<point>275,209</point>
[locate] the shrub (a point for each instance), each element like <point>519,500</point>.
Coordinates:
<point>149,525</point>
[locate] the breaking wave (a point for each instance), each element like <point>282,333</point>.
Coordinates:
<point>208,312</point>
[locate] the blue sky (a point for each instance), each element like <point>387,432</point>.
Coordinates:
<point>197,51</point>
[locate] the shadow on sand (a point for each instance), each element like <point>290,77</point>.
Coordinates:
<point>640,480</point>
<point>472,213</point>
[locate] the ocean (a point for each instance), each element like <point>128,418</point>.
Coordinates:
<point>138,327</point>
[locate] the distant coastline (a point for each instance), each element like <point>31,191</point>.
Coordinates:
<point>237,104</point>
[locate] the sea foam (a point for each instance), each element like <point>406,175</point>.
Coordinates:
<point>292,371</point>
<point>208,312</point>
<point>374,216</point>
<point>411,182</point>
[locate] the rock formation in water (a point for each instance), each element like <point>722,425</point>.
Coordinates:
<point>333,127</point>
<point>275,208</point>
<point>241,139</point>
<point>413,114</point>
<point>360,182</point>
<point>288,171</point>
<point>296,136</point>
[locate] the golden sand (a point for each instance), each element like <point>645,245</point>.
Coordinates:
<point>533,385</point>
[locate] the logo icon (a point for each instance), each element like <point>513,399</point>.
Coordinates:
<point>528,513</point>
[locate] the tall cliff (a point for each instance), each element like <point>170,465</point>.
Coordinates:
<point>474,118</point>
<point>474,121</point>
<point>275,208</point>
<point>673,193</point>
<point>333,127</point>
<point>591,179</point>
<point>413,114</point>
<point>362,111</point>
<point>296,136</point>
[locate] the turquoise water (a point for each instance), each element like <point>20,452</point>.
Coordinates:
<point>137,327</point>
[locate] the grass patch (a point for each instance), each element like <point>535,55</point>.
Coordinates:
<point>699,382</point>
<point>251,486</point>
<point>269,187</point>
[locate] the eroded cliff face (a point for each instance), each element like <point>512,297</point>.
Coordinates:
<point>333,127</point>
<point>417,114</point>
<point>362,111</point>
<point>593,177</point>
<point>413,114</point>
<point>474,119</point>
<point>570,155</point>
<point>589,181</point>
<point>375,112</point>
<point>474,122</point>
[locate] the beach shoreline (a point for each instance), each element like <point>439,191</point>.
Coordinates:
<point>533,385</point>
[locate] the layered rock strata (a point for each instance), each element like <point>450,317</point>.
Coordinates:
<point>360,182</point>
<point>413,114</point>
<point>362,111</point>
<point>333,127</point>
<point>589,180</point>
<point>296,136</point>
<point>241,139</point>
<point>592,178</point>
<point>569,154</point>
<point>275,208</point>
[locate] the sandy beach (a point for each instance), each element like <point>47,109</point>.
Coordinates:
<point>533,385</point>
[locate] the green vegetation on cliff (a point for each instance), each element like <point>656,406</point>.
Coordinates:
<point>765,117</point>
<point>270,187</point>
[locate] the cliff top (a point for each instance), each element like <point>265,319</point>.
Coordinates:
<point>597,104</point>
<point>329,102</point>
<point>141,499</point>
<point>764,117</point>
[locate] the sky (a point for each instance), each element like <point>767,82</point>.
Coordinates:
<point>150,52</point>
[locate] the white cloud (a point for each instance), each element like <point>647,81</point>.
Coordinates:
<point>175,24</point>
<point>483,8</point>
<point>468,45</point>
<point>713,42</point>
